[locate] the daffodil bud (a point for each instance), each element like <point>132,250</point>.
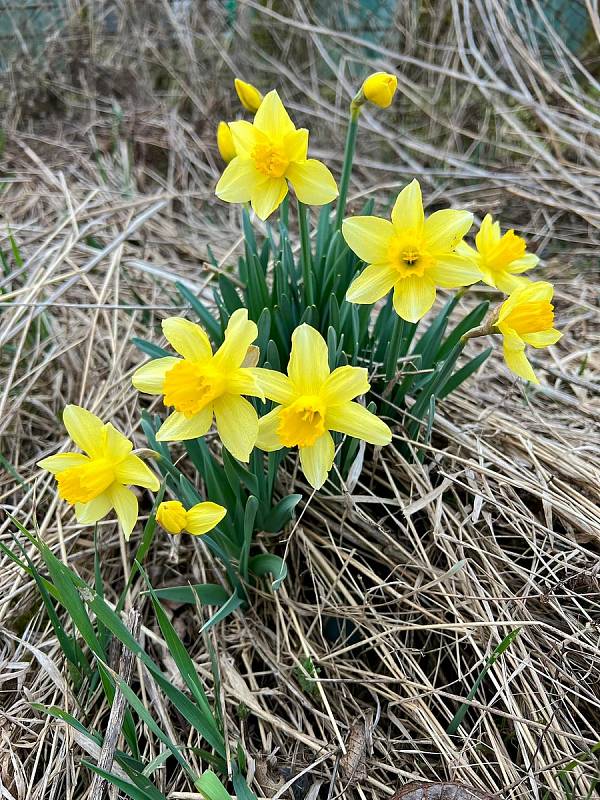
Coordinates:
<point>249,95</point>
<point>225,142</point>
<point>380,88</point>
<point>199,519</point>
<point>172,516</point>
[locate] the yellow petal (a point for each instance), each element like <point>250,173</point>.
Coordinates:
<point>249,95</point>
<point>504,281</point>
<point>239,335</point>
<point>62,461</point>
<point>244,381</point>
<point>369,237</point>
<point>267,439</point>
<point>345,383</point>
<point>126,505</point>
<point>116,446</point>
<point>85,429</point>
<point>225,142</point>
<point>203,517</point>
<point>238,181</point>
<point>268,196</point>
<point>272,118</point>
<point>466,251</point>
<point>150,377</point>
<point>516,360</point>
<point>296,145</point>
<point>542,338</point>
<point>312,181</point>
<point>373,283</point>
<point>355,420</point>
<point>413,297</point>
<point>275,385</point>
<point>452,270</point>
<point>187,338</point>
<point>317,460</point>
<point>308,367</point>
<point>132,470</point>
<point>237,424</point>
<point>526,262</point>
<point>89,513</point>
<point>245,137</point>
<point>488,235</point>
<point>443,230</point>
<point>408,208</point>
<point>178,428</point>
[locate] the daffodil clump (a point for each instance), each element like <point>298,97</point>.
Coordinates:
<point>313,346</point>
<point>312,360</point>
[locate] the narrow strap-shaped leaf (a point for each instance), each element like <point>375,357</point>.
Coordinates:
<point>186,668</point>
<point>152,350</point>
<point>463,373</point>
<point>207,320</point>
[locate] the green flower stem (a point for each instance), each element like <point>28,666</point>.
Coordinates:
<point>305,254</point>
<point>348,159</point>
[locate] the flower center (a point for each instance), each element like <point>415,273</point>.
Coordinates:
<point>531,317</point>
<point>270,160</point>
<point>302,422</point>
<point>84,483</point>
<point>508,249</point>
<point>172,516</point>
<point>189,387</point>
<point>407,255</point>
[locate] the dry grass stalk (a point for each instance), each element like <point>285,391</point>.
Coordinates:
<point>399,590</point>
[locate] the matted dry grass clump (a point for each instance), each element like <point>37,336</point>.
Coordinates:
<point>399,590</point>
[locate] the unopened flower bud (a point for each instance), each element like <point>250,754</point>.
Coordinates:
<point>249,95</point>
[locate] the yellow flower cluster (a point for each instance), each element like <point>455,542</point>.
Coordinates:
<point>314,401</point>
<point>411,254</point>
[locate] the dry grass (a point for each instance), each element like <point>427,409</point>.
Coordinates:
<point>400,589</point>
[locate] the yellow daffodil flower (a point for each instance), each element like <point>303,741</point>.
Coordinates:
<point>249,95</point>
<point>313,402</point>
<point>225,142</point>
<point>380,88</point>
<point>199,519</point>
<point>95,481</point>
<point>200,384</point>
<point>527,317</point>
<point>271,152</point>
<point>411,254</point>
<point>500,259</point>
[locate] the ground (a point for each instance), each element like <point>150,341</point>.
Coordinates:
<point>400,590</point>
